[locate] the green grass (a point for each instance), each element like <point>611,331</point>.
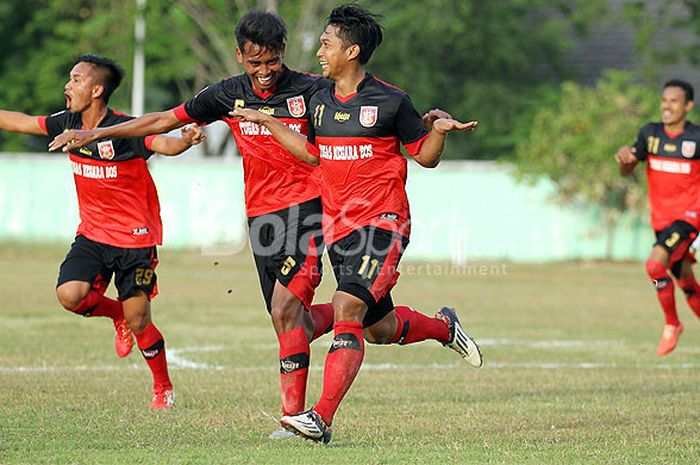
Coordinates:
<point>570,377</point>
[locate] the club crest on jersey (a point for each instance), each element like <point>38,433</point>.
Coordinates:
<point>688,148</point>
<point>368,116</point>
<point>296,106</point>
<point>106,149</point>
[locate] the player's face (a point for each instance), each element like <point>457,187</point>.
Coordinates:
<point>332,55</point>
<point>80,88</point>
<point>674,107</point>
<point>263,65</point>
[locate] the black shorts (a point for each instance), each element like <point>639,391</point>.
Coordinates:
<point>287,246</point>
<point>676,239</point>
<point>365,265</point>
<point>96,263</point>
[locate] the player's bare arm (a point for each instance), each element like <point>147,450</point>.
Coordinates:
<point>150,123</point>
<point>167,145</point>
<point>291,140</point>
<point>15,121</point>
<point>626,158</point>
<point>430,152</point>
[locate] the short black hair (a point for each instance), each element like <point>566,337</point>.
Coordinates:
<point>357,26</point>
<point>687,88</point>
<point>261,28</point>
<point>110,75</point>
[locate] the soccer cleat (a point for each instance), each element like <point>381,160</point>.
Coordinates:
<point>124,340</point>
<point>669,339</point>
<point>308,425</point>
<point>281,434</point>
<point>163,399</point>
<point>459,340</point>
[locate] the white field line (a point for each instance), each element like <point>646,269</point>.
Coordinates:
<point>177,360</point>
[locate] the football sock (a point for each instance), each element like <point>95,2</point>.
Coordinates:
<point>342,365</point>
<point>95,304</point>
<point>692,293</point>
<point>664,290</point>
<point>415,327</point>
<point>323,316</point>
<point>152,346</point>
<point>294,369</point>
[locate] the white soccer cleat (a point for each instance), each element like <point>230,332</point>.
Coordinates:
<point>459,340</point>
<point>308,425</point>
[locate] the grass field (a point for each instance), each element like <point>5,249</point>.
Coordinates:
<point>570,376</point>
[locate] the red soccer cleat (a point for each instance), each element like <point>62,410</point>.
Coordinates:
<point>124,340</point>
<point>163,398</point>
<point>669,339</point>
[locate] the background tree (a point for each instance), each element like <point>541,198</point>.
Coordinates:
<point>573,144</point>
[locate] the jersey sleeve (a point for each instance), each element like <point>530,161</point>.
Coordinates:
<point>641,144</point>
<point>205,107</point>
<point>54,124</point>
<point>311,146</point>
<point>409,127</point>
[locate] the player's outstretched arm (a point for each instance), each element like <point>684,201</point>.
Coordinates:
<point>150,123</point>
<point>430,117</point>
<point>431,150</point>
<point>294,142</point>
<point>15,121</point>
<point>189,135</point>
<point>626,158</point>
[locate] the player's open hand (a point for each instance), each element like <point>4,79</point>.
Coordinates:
<point>626,156</point>
<point>192,134</point>
<point>434,114</point>
<point>447,125</point>
<point>248,114</point>
<point>72,139</point>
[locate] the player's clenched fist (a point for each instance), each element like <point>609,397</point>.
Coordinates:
<point>192,134</point>
<point>626,156</point>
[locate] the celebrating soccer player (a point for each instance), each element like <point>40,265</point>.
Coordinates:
<point>281,192</point>
<point>670,148</point>
<point>355,131</point>
<point>120,223</point>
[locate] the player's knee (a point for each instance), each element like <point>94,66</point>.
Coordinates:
<point>138,323</point>
<point>374,337</point>
<point>657,273</point>
<point>69,298</point>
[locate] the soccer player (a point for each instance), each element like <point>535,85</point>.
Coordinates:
<point>281,192</point>
<point>355,131</point>
<point>670,148</point>
<point>119,211</point>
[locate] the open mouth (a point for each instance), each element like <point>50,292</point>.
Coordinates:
<point>265,80</point>
<point>68,100</point>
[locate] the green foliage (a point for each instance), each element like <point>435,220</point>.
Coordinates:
<point>491,61</point>
<point>573,143</point>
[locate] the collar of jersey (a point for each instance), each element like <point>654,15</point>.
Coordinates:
<point>368,77</point>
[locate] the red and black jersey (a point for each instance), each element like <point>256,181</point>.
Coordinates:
<point>363,171</point>
<point>673,173</point>
<point>117,199</point>
<point>274,178</point>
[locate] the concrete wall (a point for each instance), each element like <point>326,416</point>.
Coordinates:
<point>461,211</point>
